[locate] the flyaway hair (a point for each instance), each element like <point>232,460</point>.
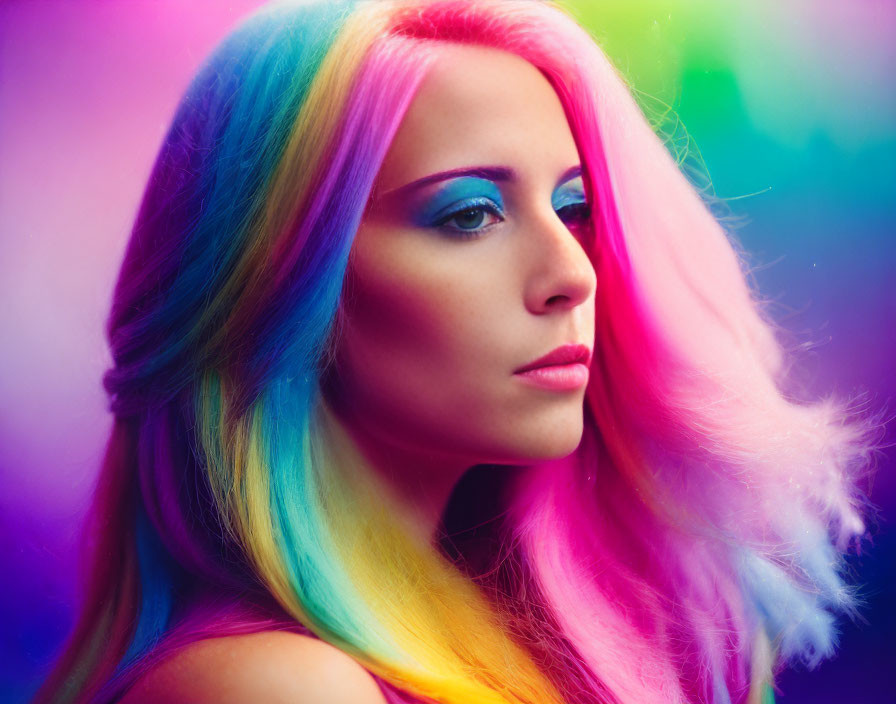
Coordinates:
<point>690,548</point>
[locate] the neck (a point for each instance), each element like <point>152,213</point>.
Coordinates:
<point>421,481</point>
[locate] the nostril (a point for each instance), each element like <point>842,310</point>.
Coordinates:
<point>554,299</point>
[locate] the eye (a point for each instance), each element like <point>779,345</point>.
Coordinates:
<point>471,220</point>
<point>575,214</point>
<point>571,203</point>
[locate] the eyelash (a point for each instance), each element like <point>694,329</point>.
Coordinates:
<point>472,207</point>
<point>582,216</point>
<point>582,213</point>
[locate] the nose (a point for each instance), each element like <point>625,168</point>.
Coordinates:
<point>560,274</point>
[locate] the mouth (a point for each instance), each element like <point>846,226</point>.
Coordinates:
<point>562,369</point>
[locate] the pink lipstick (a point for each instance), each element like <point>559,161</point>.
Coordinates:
<point>563,369</point>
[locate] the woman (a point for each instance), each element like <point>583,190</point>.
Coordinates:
<point>435,380</point>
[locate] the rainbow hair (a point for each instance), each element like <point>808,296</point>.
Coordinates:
<point>690,548</point>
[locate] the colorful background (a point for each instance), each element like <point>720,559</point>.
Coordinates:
<point>790,106</point>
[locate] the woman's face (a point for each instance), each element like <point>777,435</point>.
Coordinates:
<point>469,265</point>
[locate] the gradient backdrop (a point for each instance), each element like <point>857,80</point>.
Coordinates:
<point>791,106</point>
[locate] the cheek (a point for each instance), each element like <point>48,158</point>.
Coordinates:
<point>417,346</point>
<point>403,311</point>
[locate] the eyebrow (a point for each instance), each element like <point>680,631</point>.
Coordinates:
<point>492,173</point>
<point>571,173</point>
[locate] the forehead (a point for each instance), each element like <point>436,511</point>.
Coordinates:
<point>479,106</point>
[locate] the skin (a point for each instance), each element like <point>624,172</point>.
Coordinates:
<point>266,668</point>
<point>435,322</point>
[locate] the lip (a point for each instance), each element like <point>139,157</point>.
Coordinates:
<point>562,369</point>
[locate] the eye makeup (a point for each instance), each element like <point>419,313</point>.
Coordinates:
<point>571,203</point>
<point>456,196</point>
<point>570,193</point>
<point>465,203</point>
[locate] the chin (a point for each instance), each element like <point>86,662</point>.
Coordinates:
<point>557,447</point>
<point>546,443</point>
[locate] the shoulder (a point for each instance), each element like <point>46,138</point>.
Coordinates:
<point>268,668</point>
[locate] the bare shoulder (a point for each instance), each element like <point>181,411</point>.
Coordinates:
<point>268,668</point>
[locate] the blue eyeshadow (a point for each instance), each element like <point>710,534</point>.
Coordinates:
<point>467,191</point>
<point>570,193</point>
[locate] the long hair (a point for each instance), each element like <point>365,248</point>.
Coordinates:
<point>686,551</point>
